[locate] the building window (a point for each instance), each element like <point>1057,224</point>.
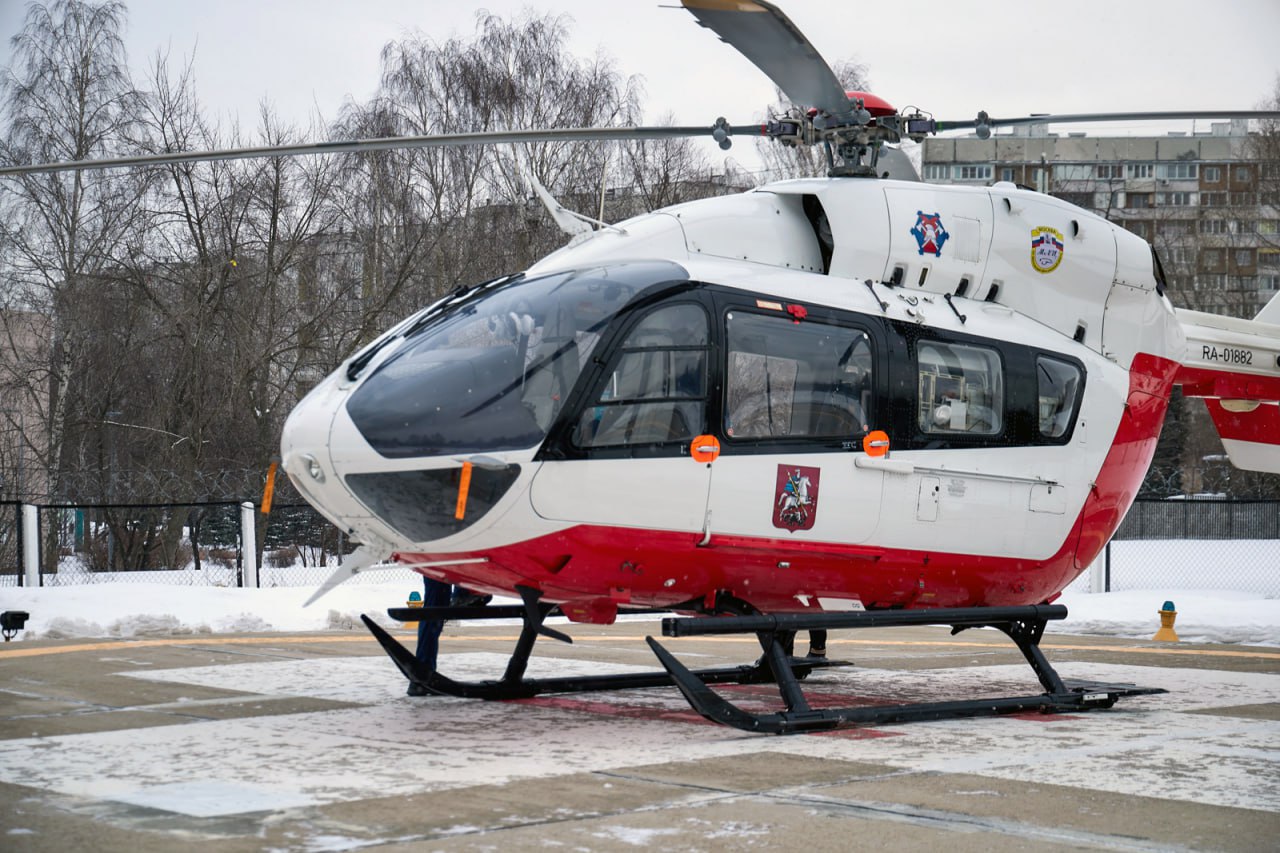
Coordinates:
<point>1269,226</point>
<point>1213,226</point>
<point>1137,200</point>
<point>1244,257</point>
<point>1244,199</point>
<point>1006,173</point>
<point>1107,171</point>
<point>1243,226</point>
<point>1177,171</point>
<point>1176,228</point>
<point>937,172</point>
<point>1212,174</point>
<point>1139,228</point>
<point>1212,199</point>
<point>1211,282</point>
<point>973,173</point>
<point>1105,200</point>
<point>1242,175</point>
<point>1078,199</point>
<point>1211,259</point>
<point>1139,170</point>
<point>1073,172</point>
<point>961,389</point>
<point>1269,282</point>
<point>1175,199</point>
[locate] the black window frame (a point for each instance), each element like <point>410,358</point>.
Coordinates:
<point>1021,424</point>
<point>760,304</point>
<point>560,443</point>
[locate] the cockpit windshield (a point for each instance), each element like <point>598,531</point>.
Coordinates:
<point>492,373</point>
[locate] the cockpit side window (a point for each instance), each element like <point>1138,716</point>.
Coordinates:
<point>492,373</point>
<point>788,379</point>
<point>655,390</point>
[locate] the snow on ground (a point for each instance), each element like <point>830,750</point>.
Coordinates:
<point>153,609</point>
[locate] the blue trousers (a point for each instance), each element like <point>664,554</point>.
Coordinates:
<point>435,594</point>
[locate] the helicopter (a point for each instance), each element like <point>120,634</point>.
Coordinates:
<point>826,403</point>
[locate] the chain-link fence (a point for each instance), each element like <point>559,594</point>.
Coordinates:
<point>1162,544</point>
<point>1195,544</point>
<point>189,544</point>
<point>196,544</point>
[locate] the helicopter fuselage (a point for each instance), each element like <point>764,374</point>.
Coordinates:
<point>678,406</point>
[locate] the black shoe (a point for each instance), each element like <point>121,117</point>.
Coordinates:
<point>416,689</point>
<point>818,654</point>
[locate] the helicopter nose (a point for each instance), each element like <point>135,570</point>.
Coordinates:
<point>305,453</point>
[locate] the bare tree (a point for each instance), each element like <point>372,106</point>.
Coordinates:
<point>67,96</point>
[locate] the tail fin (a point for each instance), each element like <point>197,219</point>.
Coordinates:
<point>1234,365</point>
<point>1271,312</point>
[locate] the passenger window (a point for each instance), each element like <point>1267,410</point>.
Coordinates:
<point>961,389</point>
<point>656,392</point>
<point>1058,384</point>
<point>786,379</point>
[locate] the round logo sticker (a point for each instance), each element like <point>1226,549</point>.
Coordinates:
<point>1047,248</point>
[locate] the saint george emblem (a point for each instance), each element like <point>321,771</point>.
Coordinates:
<point>929,233</point>
<point>795,503</point>
<point>1047,248</point>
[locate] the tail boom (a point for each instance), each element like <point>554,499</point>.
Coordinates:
<point>1234,366</point>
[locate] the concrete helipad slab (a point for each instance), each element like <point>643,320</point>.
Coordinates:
<point>309,743</point>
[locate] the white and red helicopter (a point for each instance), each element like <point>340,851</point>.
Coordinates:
<point>826,403</point>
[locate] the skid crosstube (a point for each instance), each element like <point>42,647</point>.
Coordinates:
<point>1023,625</point>
<point>513,684</point>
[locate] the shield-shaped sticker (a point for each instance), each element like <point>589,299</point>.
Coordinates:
<point>795,497</point>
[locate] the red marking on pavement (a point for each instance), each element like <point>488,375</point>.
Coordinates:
<point>634,712</point>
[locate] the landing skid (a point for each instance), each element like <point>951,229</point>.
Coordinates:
<point>1023,625</point>
<point>514,685</point>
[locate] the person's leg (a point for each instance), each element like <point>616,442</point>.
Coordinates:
<point>435,594</point>
<point>817,644</point>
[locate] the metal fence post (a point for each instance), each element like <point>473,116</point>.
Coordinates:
<point>249,545</point>
<point>31,544</point>
<point>1108,568</point>
<point>1096,575</point>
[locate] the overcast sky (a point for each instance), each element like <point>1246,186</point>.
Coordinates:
<point>1005,56</point>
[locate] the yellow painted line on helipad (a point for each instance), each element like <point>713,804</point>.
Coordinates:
<point>319,639</point>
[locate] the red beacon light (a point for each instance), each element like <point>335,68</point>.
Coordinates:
<point>873,104</point>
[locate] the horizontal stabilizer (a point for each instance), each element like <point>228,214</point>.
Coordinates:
<point>1234,365</point>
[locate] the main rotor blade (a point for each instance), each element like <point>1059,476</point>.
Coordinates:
<point>388,143</point>
<point>761,33</point>
<point>1080,118</point>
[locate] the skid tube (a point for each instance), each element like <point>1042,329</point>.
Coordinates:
<point>1024,625</point>
<point>514,685</point>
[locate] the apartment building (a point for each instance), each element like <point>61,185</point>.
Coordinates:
<point>1209,202</point>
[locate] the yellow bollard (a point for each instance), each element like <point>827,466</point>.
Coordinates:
<point>1167,616</point>
<point>415,600</point>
